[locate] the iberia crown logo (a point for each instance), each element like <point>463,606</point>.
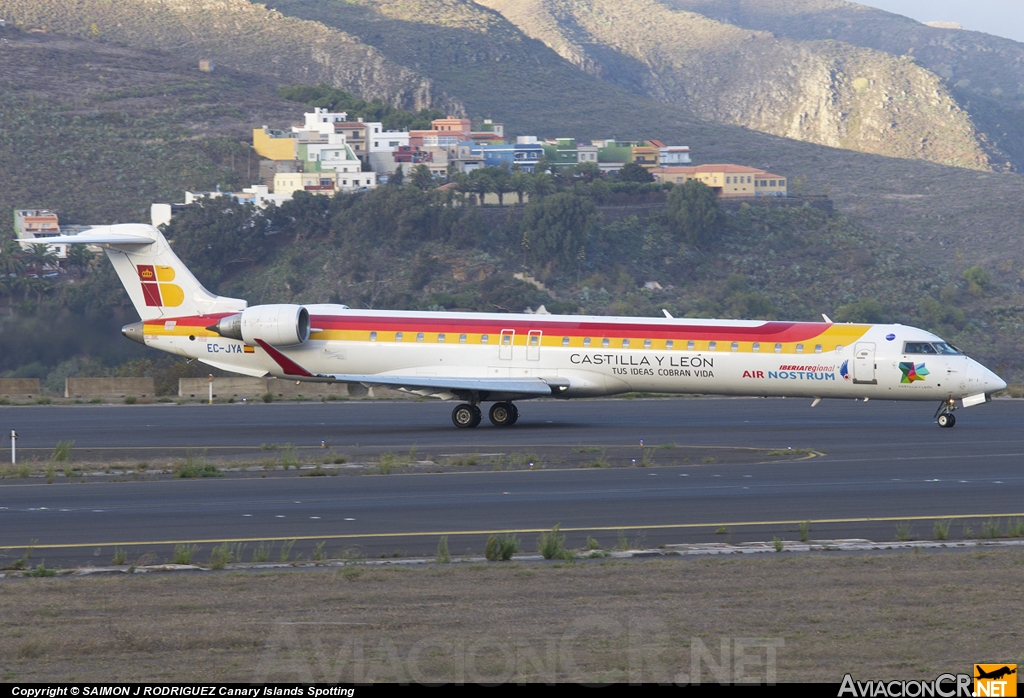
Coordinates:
<point>912,372</point>
<point>159,294</point>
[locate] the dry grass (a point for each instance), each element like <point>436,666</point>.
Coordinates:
<point>892,616</point>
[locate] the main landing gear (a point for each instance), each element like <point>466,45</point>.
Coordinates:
<point>944,415</point>
<point>502,414</point>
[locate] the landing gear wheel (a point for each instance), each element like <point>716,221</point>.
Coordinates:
<point>946,420</point>
<point>466,416</point>
<point>503,414</point>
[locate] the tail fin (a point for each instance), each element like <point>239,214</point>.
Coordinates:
<point>159,284</point>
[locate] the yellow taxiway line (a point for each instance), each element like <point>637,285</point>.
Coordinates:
<point>496,531</point>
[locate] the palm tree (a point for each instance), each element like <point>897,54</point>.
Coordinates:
<point>541,184</point>
<point>520,184</point>
<point>39,257</point>
<point>79,258</point>
<point>502,180</point>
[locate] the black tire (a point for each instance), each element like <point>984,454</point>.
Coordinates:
<point>946,420</point>
<point>515,413</point>
<point>503,414</point>
<point>466,416</point>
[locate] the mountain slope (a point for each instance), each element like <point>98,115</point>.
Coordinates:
<point>240,35</point>
<point>985,73</point>
<point>821,92</point>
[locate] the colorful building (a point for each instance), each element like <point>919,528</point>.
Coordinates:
<point>728,181</point>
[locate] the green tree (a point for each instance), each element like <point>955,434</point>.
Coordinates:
<point>422,178</point>
<point>587,170</point>
<point>520,184</point>
<point>541,184</point>
<point>694,210</point>
<point>557,227</point>
<point>481,183</point>
<point>977,280</point>
<point>864,310</point>
<point>502,182</point>
<point>632,172</point>
<point>397,178</point>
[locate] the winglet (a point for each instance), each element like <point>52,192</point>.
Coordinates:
<point>289,367</point>
<point>667,314</point>
<point>827,319</point>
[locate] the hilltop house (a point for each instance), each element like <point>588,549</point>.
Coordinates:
<point>728,181</point>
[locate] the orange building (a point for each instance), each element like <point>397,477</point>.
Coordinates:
<point>728,181</point>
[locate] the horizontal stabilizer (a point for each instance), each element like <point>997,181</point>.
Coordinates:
<point>92,239</point>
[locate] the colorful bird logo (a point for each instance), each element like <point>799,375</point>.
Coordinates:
<point>844,370</point>
<point>912,372</point>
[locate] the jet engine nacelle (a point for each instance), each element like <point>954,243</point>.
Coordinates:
<point>278,325</point>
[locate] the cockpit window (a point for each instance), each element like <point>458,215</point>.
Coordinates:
<point>919,348</point>
<point>945,348</point>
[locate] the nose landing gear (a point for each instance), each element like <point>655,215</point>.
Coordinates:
<point>944,415</point>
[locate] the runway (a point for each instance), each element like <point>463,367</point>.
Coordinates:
<point>883,463</point>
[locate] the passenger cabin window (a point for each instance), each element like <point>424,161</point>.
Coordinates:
<point>506,339</point>
<point>918,348</point>
<point>690,345</point>
<point>534,340</point>
<point>839,348</point>
<point>398,336</point>
<point>373,336</point>
<point>565,341</point>
<point>817,348</point>
<point>735,346</point>
<point>606,342</point>
<point>778,348</point>
<point>462,339</point>
<point>799,348</point>
<point>419,336</point>
<point>647,344</point>
<point>586,341</point>
<point>440,338</point>
<point>625,344</point>
<point>755,347</point>
<point>712,346</point>
<point>669,344</point>
<point>484,339</point>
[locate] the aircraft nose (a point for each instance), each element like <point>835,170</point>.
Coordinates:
<point>993,383</point>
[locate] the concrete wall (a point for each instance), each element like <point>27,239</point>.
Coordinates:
<point>109,387</point>
<point>19,387</point>
<point>222,387</point>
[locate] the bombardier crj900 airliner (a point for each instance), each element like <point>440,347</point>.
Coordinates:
<point>505,358</point>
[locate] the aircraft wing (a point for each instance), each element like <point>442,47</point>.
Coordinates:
<point>526,386</point>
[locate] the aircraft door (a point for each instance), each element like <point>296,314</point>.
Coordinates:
<point>864,363</point>
<point>508,340</point>
<point>533,342</point>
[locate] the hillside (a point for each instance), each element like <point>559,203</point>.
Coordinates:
<point>816,91</point>
<point>984,73</point>
<point>491,68</point>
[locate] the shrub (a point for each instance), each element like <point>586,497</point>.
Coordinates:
<point>41,571</point>
<point>551,544</point>
<point>501,547</point>
<point>268,396</point>
<point>62,451</point>
<point>442,550</point>
<point>779,545</point>
<point>805,531</point>
<point>130,400</point>
<point>220,556</point>
<point>183,553</point>
<point>120,557</point>
<point>941,529</point>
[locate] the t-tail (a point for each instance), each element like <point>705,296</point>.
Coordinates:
<point>159,284</point>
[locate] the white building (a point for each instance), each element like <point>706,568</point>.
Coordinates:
<point>674,155</point>
<point>32,226</point>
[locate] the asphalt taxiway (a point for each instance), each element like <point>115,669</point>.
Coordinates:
<point>882,466</point>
